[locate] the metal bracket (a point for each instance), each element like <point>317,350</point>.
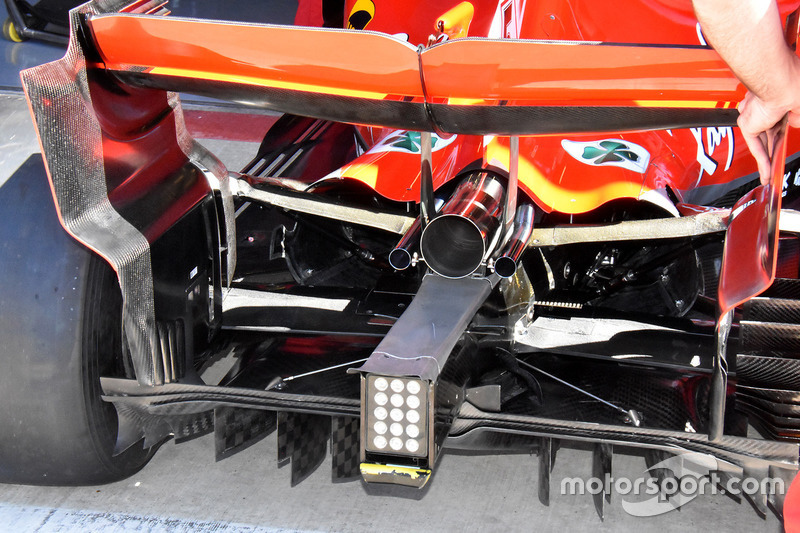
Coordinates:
<point>511,191</point>
<point>719,380</point>
<point>427,205</point>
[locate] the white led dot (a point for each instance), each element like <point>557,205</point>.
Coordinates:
<point>412,445</point>
<point>412,402</point>
<point>381,413</point>
<point>412,430</point>
<point>381,384</point>
<point>396,429</point>
<point>412,416</point>
<point>397,400</point>
<point>396,443</point>
<point>413,387</point>
<point>396,414</point>
<point>397,385</point>
<point>381,398</point>
<point>379,442</point>
<point>380,427</point>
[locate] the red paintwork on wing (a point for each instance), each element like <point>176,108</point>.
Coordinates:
<point>751,243</point>
<point>362,64</point>
<point>529,72</point>
<point>750,256</point>
<point>481,73</point>
<point>461,72</point>
<point>374,66</point>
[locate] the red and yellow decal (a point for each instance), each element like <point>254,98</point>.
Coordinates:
<point>361,14</point>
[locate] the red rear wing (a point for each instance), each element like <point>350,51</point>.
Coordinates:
<point>469,86</point>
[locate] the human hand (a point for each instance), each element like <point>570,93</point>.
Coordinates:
<point>759,122</point>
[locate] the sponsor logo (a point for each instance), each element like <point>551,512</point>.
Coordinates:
<point>362,14</point>
<point>610,153</point>
<point>707,145</point>
<point>738,211</point>
<point>509,20</point>
<point>410,143</point>
<point>791,179</point>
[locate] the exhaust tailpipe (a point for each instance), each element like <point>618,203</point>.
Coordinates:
<point>401,257</point>
<point>455,243</point>
<point>506,265</point>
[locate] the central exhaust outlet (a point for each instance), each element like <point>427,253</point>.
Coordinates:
<point>455,243</point>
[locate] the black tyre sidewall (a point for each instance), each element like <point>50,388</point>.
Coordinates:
<point>59,330</point>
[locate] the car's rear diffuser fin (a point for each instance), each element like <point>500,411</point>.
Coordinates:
<point>469,429</point>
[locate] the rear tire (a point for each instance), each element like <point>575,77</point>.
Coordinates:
<point>60,330</point>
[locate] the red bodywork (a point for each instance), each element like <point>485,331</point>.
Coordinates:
<point>611,101</point>
<point>496,73</point>
<point>506,71</point>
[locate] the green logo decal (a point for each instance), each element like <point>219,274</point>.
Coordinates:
<point>609,152</point>
<point>410,142</point>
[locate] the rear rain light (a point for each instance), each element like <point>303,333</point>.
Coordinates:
<point>396,416</point>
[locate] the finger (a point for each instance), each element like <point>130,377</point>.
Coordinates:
<point>768,140</point>
<point>755,116</point>
<point>759,151</point>
<point>745,101</point>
